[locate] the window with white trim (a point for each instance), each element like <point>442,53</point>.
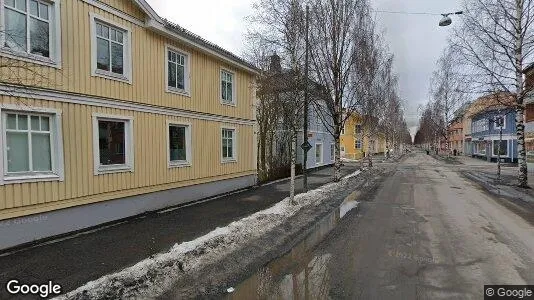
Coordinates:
<point>30,28</point>
<point>177,71</point>
<point>495,122</point>
<point>111,50</point>
<point>318,153</point>
<point>113,142</point>
<point>179,144</point>
<point>228,144</point>
<point>227,87</point>
<point>32,148</point>
<point>358,144</point>
<point>504,148</point>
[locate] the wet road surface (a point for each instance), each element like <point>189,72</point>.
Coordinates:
<point>427,233</point>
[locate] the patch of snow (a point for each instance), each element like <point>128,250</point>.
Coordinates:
<point>354,174</point>
<point>155,275</point>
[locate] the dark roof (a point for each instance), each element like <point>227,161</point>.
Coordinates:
<point>528,68</point>
<point>199,40</point>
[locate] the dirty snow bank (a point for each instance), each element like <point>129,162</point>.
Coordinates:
<point>155,275</point>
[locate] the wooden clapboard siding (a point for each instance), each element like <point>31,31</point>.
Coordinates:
<point>148,67</point>
<point>151,171</point>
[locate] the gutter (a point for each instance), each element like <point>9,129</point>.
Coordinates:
<point>161,29</point>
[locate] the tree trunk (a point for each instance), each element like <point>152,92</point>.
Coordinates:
<point>522,154</point>
<point>337,131</point>
<point>262,144</point>
<point>337,160</point>
<point>293,162</point>
<point>519,119</point>
<point>370,158</point>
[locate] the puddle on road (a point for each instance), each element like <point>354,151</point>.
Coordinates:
<point>298,274</point>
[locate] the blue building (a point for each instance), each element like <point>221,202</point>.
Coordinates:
<point>322,142</point>
<point>485,135</point>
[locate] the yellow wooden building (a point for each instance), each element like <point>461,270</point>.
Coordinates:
<point>108,111</point>
<point>354,141</point>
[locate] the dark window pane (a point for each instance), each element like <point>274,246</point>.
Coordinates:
<point>177,143</point>
<point>34,9</point>
<point>172,74</point>
<point>111,142</point>
<point>21,4</point>
<point>23,122</point>
<point>39,37</point>
<point>43,11</point>
<point>15,30</point>
<point>117,61</point>
<point>35,123</point>
<point>102,54</point>
<point>229,92</point>
<point>504,147</point>
<point>180,80</point>
<point>9,3</point>
<point>11,121</point>
<point>223,91</point>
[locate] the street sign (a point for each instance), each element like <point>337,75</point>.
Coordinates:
<point>306,146</point>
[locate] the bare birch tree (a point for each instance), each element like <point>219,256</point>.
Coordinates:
<point>333,31</point>
<point>495,41</point>
<point>279,25</point>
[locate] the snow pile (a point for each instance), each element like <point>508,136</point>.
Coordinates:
<point>155,275</point>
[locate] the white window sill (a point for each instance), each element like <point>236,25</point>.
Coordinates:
<point>179,164</point>
<point>12,179</point>
<point>233,104</point>
<point>178,92</point>
<point>113,169</point>
<point>112,76</point>
<point>32,58</point>
<point>229,160</point>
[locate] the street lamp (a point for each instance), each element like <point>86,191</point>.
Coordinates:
<point>446,20</point>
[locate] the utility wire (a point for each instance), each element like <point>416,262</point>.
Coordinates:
<point>405,12</point>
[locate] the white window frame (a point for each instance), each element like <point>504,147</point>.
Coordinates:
<point>56,145</point>
<point>188,146</point>
<point>356,142</point>
<point>493,148</point>
<point>54,39</point>
<point>343,130</point>
<point>232,159</point>
<point>127,55</point>
<point>128,147</point>
<point>322,153</point>
<point>187,71</point>
<point>234,84</point>
<point>503,122</point>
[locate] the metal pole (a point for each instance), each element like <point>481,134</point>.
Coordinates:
<point>501,123</point>
<point>306,100</point>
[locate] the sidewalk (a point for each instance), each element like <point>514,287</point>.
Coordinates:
<point>75,260</point>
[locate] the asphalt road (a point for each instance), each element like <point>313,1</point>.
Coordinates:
<point>74,260</point>
<point>427,233</point>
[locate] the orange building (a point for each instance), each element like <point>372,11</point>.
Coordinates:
<point>456,135</point>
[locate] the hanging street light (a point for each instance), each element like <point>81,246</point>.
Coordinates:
<point>446,20</point>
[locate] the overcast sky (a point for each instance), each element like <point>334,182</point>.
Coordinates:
<point>416,40</point>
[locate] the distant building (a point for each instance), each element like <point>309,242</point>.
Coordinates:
<point>529,116</point>
<point>484,132</point>
<point>354,140</point>
<point>319,124</point>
